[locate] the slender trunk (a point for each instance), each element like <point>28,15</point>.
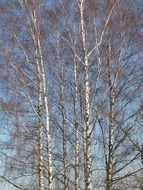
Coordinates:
<point>41,158</point>
<point>76,129</point>
<point>110,154</point>
<point>111,131</point>
<point>66,186</point>
<point>50,163</point>
<point>65,157</point>
<point>88,157</point>
<point>41,71</point>
<point>44,83</point>
<point>40,126</point>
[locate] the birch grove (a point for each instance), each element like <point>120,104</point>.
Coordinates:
<point>71,95</point>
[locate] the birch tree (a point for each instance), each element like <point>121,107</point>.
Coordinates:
<point>73,107</point>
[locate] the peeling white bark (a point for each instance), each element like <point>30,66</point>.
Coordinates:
<point>40,125</point>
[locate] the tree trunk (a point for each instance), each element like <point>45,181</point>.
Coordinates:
<point>40,126</point>
<point>111,129</point>
<point>88,157</point>
<point>66,185</point>
<point>76,128</point>
<point>43,81</point>
<point>41,158</point>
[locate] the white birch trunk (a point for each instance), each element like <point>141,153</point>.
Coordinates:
<point>40,125</point>
<point>44,83</point>
<point>88,156</point>
<point>50,164</point>
<point>41,158</point>
<point>76,129</point>
<point>111,129</point>
<point>42,73</point>
<point>65,157</point>
<point>110,155</point>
